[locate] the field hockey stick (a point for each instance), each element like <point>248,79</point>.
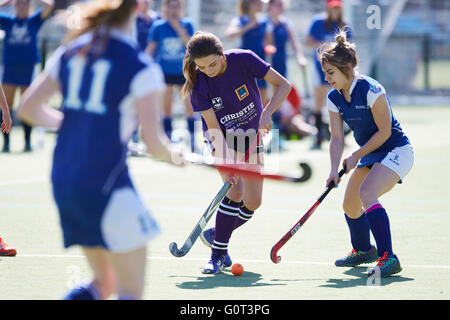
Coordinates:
<point>244,170</point>
<point>273,253</point>
<point>173,247</point>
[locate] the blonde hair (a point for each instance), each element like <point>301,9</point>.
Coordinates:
<point>201,44</point>
<point>340,53</point>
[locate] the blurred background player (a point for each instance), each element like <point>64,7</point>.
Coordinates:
<point>288,119</point>
<point>108,85</point>
<point>144,21</point>
<point>20,53</point>
<point>222,86</point>
<point>254,31</point>
<point>167,44</point>
<point>383,159</point>
<point>323,29</point>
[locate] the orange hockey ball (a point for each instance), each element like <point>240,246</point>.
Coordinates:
<point>237,269</point>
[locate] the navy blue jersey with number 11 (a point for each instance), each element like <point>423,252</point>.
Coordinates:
<point>99,90</point>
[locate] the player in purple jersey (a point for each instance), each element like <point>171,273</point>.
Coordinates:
<point>222,86</point>
<point>108,85</point>
<point>383,159</point>
<point>20,52</point>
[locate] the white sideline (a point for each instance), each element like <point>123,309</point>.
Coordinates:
<point>203,259</point>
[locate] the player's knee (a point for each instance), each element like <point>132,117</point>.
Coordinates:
<point>366,195</point>
<point>236,192</point>
<point>253,203</point>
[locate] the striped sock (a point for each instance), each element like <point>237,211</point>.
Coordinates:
<point>245,214</point>
<point>380,227</point>
<point>225,220</point>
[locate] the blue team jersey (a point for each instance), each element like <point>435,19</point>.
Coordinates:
<point>170,48</point>
<point>143,27</point>
<point>20,42</point>
<point>319,32</point>
<point>99,92</point>
<point>254,38</point>
<point>357,114</point>
<point>281,38</point>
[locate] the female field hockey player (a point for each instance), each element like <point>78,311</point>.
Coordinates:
<point>282,34</point>
<point>20,53</point>
<point>6,123</point>
<point>322,29</point>
<point>254,31</point>
<point>144,21</point>
<point>108,85</point>
<point>222,86</point>
<point>383,159</point>
<point>167,44</point>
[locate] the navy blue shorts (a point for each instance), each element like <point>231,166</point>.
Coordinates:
<point>117,221</point>
<point>174,79</point>
<point>20,75</point>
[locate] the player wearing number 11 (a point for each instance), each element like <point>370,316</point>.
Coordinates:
<point>107,85</point>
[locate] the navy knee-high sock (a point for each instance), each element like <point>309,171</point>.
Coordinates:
<point>167,125</point>
<point>380,227</point>
<point>83,292</point>
<point>191,128</point>
<point>359,232</point>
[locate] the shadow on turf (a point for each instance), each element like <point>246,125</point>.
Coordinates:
<point>362,280</point>
<point>225,279</point>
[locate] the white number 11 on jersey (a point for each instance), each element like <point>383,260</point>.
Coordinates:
<point>100,70</point>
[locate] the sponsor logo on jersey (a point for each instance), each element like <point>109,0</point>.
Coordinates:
<point>242,92</point>
<point>375,88</point>
<point>237,115</point>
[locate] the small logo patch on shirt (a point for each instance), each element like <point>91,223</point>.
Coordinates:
<point>375,89</point>
<point>242,92</point>
<point>217,103</point>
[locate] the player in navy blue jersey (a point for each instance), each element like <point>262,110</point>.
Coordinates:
<point>383,159</point>
<point>144,21</point>
<point>108,85</point>
<point>255,32</point>
<point>323,29</point>
<point>20,52</point>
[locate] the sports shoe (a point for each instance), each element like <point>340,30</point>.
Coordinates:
<point>215,265</point>
<point>387,265</point>
<point>207,238</point>
<point>355,258</point>
<point>6,251</point>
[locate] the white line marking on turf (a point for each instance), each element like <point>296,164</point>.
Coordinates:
<point>21,182</point>
<point>203,259</point>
